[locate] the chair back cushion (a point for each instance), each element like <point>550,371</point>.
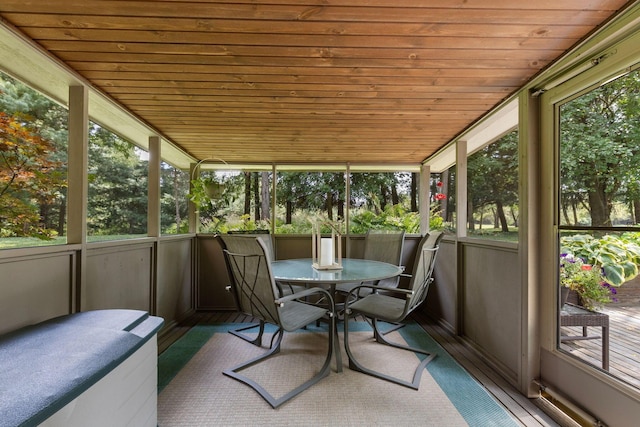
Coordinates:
<point>252,280</point>
<point>423,266</point>
<point>262,234</point>
<point>385,247</point>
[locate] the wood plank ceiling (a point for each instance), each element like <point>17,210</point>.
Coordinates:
<point>319,81</point>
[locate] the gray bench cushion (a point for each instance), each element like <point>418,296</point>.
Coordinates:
<point>43,367</point>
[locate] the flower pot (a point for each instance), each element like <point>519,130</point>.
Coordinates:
<point>569,296</point>
<point>214,190</point>
<point>564,295</point>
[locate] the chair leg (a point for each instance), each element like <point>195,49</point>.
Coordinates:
<point>379,337</point>
<point>276,402</point>
<point>395,327</point>
<point>255,341</point>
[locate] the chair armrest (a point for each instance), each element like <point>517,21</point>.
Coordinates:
<point>302,294</point>
<point>375,288</point>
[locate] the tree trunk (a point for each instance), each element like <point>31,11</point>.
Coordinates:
<point>395,200</point>
<point>289,212</point>
<point>472,225</point>
<point>414,192</point>
<point>176,200</point>
<point>599,207</point>
<point>340,209</point>
<point>264,195</point>
<point>256,196</point>
<point>501,216</point>
<point>329,206</point>
<point>384,194</point>
<point>62,216</point>
<point>247,193</point>
<point>636,211</point>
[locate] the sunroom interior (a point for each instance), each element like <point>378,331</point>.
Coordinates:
<point>321,87</point>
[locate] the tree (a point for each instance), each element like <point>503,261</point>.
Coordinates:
<point>28,177</point>
<point>118,182</point>
<point>493,178</point>
<point>264,196</point>
<point>174,184</point>
<point>38,116</point>
<point>600,149</point>
<point>311,191</point>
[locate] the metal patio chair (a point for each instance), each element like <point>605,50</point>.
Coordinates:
<point>229,241</point>
<point>258,296</point>
<point>394,307</point>
<point>379,246</point>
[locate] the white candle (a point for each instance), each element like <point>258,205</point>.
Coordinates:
<point>326,251</point>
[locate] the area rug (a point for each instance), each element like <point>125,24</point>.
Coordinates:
<point>194,392</point>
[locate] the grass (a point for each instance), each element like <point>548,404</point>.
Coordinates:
<point>27,242</point>
<point>495,234</point>
<point>31,242</point>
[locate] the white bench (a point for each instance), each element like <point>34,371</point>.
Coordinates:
<point>95,368</point>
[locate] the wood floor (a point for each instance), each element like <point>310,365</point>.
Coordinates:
<point>624,343</point>
<point>528,412</point>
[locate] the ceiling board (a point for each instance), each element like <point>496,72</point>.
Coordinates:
<point>331,81</point>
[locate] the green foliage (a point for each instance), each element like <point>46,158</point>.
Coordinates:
<point>493,179</point>
<point>174,207</point>
<point>587,280</point>
<point>600,150</point>
<point>496,234</point>
<point>392,218</point>
<point>28,177</point>
<point>32,156</point>
<point>200,194</point>
<point>118,182</point>
<point>618,256</point>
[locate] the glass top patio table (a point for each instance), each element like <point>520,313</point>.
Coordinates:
<point>353,270</point>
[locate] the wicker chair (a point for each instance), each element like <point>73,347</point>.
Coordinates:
<point>258,296</point>
<point>395,308</point>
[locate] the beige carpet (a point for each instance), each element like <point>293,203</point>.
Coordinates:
<point>200,395</point>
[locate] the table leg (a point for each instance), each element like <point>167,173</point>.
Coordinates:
<point>605,348</point>
<point>336,346</point>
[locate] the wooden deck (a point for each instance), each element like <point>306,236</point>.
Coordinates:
<point>624,343</point>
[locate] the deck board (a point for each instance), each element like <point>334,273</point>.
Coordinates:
<point>624,343</point>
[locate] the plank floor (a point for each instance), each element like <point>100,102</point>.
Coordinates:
<point>624,343</point>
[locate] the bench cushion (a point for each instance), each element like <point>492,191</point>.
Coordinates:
<point>43,367</point>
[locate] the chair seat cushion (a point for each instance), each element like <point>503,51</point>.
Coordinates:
<point>381,307</point>
<point>295,315</point>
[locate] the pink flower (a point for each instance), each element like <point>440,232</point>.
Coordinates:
<point>439,184</point>
<point>440,196</point>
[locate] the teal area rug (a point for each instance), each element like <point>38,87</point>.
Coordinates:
<point>474,405</point>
